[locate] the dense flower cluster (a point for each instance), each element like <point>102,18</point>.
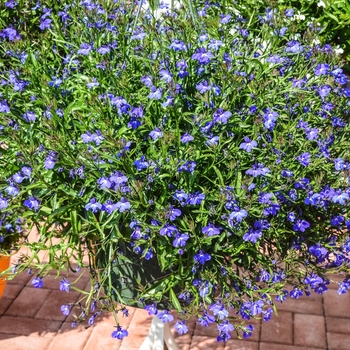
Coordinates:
<point>217,152</point>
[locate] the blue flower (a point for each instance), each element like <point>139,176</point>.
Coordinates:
<point>304,158</point>
<point>4,107</point>
<point>84,49</point>
<point>202,56</point>
<point>301,226</point>
<point>37,282</point>
<point>151,309</point>
<point>32,203</point>
<point>180,240</point>
<point>65,285</point>
<point>3,203</point>
<point>141,163</point>
<point>252,235</point>
<point>165,76</point>
<point>123,205</point>
<point>322,69</point>
<point>202,257</point>
<point>248,144</point>
<point>258,170</point>
<point>221,116</point>
<point>186,138</point>
<point>165,316</point>
<point>238,215</point>
<point>219,311</point>
<point>120,333</point>
<point>340,197</point>
<point>156,134</point>
<point>289,12</point>
<point>93,205</point>
<point>203,87</point>
<point>180,327</point>
<point>155,94</point>
<point>210,230</point>
<point>173,213</point>
<point>294,46</point>
<point>205,320</point>
<point>65,309</point>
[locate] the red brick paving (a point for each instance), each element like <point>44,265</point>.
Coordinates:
<point>31,319</point>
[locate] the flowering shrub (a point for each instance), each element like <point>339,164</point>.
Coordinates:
<point>210,154</point>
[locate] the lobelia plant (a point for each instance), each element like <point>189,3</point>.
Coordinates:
<point>200,164</point>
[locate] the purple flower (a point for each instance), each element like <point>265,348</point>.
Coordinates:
<point>149,254</point>
<point>257,170</point>
<point>65,285</point>
<point>165,76</point>
<point>195,198</point>
<point>324,90</point>
<point>180,240</point>
<point>340,197</point>
<point>168,230</point>
<point>301,226</point>
<point>294,46</point>
<point>37,282</point>
<point>180,327</point>
<point>120,333</point>
<point>304,158</point>
<point>203,87</point>
<point>312,134</point>
<point>252,235</point>
<point>147,80</point>
<point>221,116</point>
<point>29,116</point>
<point>141,163</point>
<point>84,49</point>
<point>32,203</point>
<point>248,145</point>
<point>340,164</point>
<point>322,69</point>
<point>123,205</point>
<point>3,203</point>
<point>4,107</point>
<point>202,56</point>
<point>155,94</point>
<point>151,309</point>
<point>238,215</point>
<point>45,23</point>
<point>178,45</point>
<point>289,12</point>
<point>188,166</point>
<point>202,257</point>
<point>109,207</point>
<point>93,205</point>
<point>156,134</point>
<point>219,311</point>
<point>210,230</point>
<point>50,161</point>
<point>187,138</point>
<point>10,33</point>
<point>173,213</point>
<point>165,316</point>
<point>12,190</point>
<point>269,119</point>
<point>103,50</point>
<point>65,310</point>
<point>11,4</point>
<point>205,320</point>
<point>296,293</point>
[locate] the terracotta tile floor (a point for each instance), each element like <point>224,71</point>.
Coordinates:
<point>31,319</point>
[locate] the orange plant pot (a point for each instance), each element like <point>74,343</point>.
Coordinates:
<point>4,265</point>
